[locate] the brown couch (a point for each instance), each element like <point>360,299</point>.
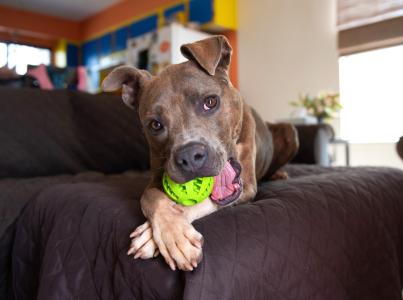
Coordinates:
<point>72,169</point>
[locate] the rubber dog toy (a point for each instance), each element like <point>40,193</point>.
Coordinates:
<point>188,193</point>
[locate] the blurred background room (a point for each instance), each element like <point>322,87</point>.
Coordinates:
<point>331,67</point>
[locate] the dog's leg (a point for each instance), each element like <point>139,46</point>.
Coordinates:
<point>169,231</point>
<point>143,245</point>
<point>286,145</point>
<point>178,242</point>
<point>246,148</point>
<point>248,175</point>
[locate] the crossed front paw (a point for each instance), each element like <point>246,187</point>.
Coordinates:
<point>177,241</point>
<point>143,245</point>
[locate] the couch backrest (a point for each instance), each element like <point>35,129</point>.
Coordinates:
<point>56,132</point>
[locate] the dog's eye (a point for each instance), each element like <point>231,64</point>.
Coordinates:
<point>155,125</point>
<point>210,102</point>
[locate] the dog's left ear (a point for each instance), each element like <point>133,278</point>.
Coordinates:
<point>211,54</point>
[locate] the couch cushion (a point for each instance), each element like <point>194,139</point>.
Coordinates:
<point>16,193</point>
<point>335,235</point>
<point>54,132</point>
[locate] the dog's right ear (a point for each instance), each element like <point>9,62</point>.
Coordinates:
<point>130,80</point>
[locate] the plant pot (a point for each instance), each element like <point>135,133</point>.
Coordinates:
<point>320,120</point>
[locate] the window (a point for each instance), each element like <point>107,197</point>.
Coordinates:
<point>20,56</point>
<point>3,54</point>
<point>371,92</point>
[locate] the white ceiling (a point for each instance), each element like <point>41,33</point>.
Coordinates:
<point>69,9</point>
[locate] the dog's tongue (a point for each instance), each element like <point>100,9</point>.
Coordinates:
<point>223,183</point>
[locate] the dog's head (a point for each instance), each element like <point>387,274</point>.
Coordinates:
<point>191,113</point>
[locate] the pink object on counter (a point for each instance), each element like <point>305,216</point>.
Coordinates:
<point>82,78</point>
<point>41,74</point>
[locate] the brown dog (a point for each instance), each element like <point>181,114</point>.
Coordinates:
<point>197,125</point>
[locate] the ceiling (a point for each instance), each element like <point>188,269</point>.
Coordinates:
<point>75,10</point>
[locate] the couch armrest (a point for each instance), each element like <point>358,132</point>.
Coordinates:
<point>314,143</point>
<point>399,147</point>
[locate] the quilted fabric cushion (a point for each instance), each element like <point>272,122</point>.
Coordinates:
<point>334,235</point>
<point>56,132</point>
<point>16,193</point>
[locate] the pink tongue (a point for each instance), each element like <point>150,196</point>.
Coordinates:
<point>223,183</point>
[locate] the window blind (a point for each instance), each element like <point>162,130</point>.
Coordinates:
<point>369,24</point>
<point>355,13</point>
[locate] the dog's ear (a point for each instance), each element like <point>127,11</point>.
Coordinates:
<point>211,54</point>
<point>130,80</point>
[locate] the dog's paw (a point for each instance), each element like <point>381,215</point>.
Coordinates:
<point>279,175</point>
<point>178,242</point>
<point>143,245</point>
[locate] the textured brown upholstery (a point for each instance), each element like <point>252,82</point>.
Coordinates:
<point>46,133</point>
<point>330,234</point>
<point>326,233</point>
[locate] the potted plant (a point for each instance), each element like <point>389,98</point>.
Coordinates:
<point>322,107</point>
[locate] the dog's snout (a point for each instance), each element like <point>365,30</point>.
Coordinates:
<point>191,157</point>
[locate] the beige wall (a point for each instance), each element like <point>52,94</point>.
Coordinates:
<point>376,155</point>
<point>286,47</point>
<point>371,155</point>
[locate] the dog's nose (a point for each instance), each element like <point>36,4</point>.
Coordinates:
<point>191,157</point>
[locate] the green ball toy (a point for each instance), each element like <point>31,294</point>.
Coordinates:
<point>188,193</point>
